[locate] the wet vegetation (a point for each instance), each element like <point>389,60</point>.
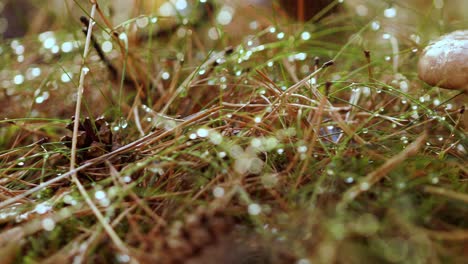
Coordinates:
<point>232,133</point>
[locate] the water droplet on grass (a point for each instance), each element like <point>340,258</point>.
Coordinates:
<point>375,25</point>
<point>305,35</point>
<point>165,76</point>
<point>18,79</point>
<point>203,132</point>
<point>122,258</point>
<point>218,192</point>
<point>364,186</point>
<point>127,179</point>
<point>48,224</point>
<point>42,208</point>
<point>254,209</point>
<point>390,12</point>
<point>302,149</point>
<point>349,180</point>
<point>361,10</point>
<point>100,195</point>
<point>215,137</point>
<point>142,22</point>
<point>107,46</point>
<point>303,261</point>
<point>35,72</point>
<point>225,15</point>
<point>66,77</point>
<point>66,46</point>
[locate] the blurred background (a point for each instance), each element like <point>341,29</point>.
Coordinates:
<point>21,17</point>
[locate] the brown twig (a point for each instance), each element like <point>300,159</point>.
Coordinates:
<point>378,174</point>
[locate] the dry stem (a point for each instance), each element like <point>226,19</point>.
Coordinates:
<point>381,172</point>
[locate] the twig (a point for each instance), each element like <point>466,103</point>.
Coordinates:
<point>378,174</point>
<point>115,238</point>
<point>463,197</point>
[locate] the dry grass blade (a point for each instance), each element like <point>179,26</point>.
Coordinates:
<point>146,140</point>
<point>378,174</point>
<point>203,140</point>
<point>463,197</point>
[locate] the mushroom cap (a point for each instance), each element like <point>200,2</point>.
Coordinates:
<point>444,62</point>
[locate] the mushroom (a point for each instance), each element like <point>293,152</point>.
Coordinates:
<point>444,62</point>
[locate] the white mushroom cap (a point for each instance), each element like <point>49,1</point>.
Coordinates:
<point>444,63</point>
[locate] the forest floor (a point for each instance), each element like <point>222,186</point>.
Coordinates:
<point>256,140</point>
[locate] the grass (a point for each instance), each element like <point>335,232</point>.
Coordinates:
<point>248,148</point>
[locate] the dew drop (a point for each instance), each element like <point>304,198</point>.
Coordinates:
<point>362,10</point>
<point>302,149</point>
<point>107,46</point>
<point>66,77</point>
<point>203,132</point>
<point>165,75</point>
<point>252,25</point>
<point>49,42</point>
<point>404,87</point>
<point>303,261</point>
<point>225,15</point>
<point>349,180</point>
<point>364,186</point>
<point>123,258</point>
<point>390,12</point>
<point>142,22</point>
<point>67,47</point>
<point>305,35</point>
<point>216,138</point>
<point>18,79</point>
<point>127,179</point>
<point>42,208</point>
<point>35,72</point>
<point>375,25</point>
<point>123,36</point>
<point>100,195</point>
<point>254,209</point>
<point>48,224</point>
<point>123,123</point>
<point>218,192</point>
